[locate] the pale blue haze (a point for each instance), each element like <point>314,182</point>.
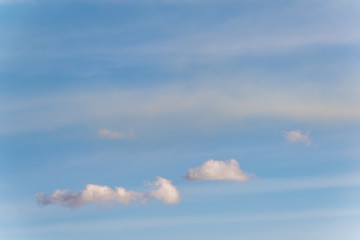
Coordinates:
<point>193,80</point>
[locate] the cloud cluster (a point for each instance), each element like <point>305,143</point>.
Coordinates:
<point>298,136</point>
<point>106,133</point>
<point>218,170</point>
<point>161,189</point>
<point>164,190</point>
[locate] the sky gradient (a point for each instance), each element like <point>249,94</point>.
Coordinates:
<point>179,119</point>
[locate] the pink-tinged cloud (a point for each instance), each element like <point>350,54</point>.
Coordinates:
<point>218,170</point>
<point>106,133</point>
<point>163,190</point>
<point>298,136</point>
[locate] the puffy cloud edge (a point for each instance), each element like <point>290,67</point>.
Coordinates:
<point>217,170</point>
<point>162,189</point>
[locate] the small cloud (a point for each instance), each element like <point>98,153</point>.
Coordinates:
<point>165,191</point>
<point>218,170</point>
<point>106,133</point>
<point>102,195</point>
<point>298,136</point>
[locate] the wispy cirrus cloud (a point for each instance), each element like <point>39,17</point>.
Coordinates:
<point>218,170</point>
<point>207,104</point>
<point>276,185</point>
<point>298,136</point>
<point>265,36</point>
<point>187,220</point>
<point>163,190</point>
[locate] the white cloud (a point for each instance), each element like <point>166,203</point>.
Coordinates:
<point>218,170</point>
<point>298,136</point>
<point>101,195</point>
<point>165,191</point>
<point>106,133</point>
<point>91,194</point>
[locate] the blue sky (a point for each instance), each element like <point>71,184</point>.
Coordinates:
<point>117,93</point>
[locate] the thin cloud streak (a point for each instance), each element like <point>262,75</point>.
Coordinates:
<point>209,104</point>
<point>136,224</point>
<point>226,40</point>
<point>106,133</point>
<point>262,186</point>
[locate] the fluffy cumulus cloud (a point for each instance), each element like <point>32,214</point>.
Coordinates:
<point>218,170</point>
<point>163,190</point>
<point>298,136</point>
<point>106,133</point>
<point>91,194</point>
